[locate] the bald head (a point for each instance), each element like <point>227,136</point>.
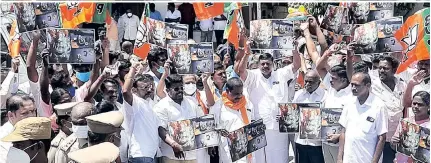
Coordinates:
<point>311,81</point>
<point>80,111</point>
<point>127,47</point>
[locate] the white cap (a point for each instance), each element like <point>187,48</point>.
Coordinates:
<point>17,155</point>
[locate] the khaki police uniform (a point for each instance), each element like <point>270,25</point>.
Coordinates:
<point>61,110</point>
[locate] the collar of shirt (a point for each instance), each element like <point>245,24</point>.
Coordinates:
<point>316,96</point>
<point>368,102</point>
<point>217,91</point>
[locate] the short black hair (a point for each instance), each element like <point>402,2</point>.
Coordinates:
<point>218,67</point>
<point>425,97</point>
<point>113,55</point>
<point>109,80</point>
<point>233,82</point>
<point>391,60</point>
<point>360,66</point>
<point>367,78</point>
<point>377,58</point>
<point>171,4</point>
<point>152,5</point>
<point>266,56</point>
<point>173,79</point>
<point>96,138</point>
<point>57,79</point>
<point>56,95</point>
<point>340,70</point>
<point>105,106</point>
<point>154,56</point>
<point>14,102</point>
<point>124,64</point>
<point>142,78</point>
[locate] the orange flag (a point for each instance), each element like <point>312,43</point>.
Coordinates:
<point>207,10</point>
<point>14,42</point>
<point>142,47</point>
<point>233,27</point>
<point>414,37</point>
<point>74,13</point>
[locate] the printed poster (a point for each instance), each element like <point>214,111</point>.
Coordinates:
<point>31,16</point>
<point>310,123</point>
<point>192,58</point>
<point>330,125</point>
<point>176,33</point>
<point>334,18</point>
<point>26,39</point>
<point>271,34</point>
<point>289,118</point>
<point>246,140</point>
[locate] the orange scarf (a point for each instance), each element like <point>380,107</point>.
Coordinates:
<point>240,105</point>
<point>198,97</point>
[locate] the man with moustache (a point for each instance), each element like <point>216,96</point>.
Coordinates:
<point>364,124</point>
<point>140,121</point>
<point>266,89</point>
<point>172,108</point>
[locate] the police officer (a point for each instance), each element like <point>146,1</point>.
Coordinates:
<point>105,127</point>
<point>101,153</point>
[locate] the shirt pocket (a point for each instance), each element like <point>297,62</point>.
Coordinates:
<point>369,124</point>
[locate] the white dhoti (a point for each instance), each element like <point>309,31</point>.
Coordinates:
<point>277,149</point>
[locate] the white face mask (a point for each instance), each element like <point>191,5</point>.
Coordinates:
<point>129,14</point>
<point>80,131</point>
<point>190,89</point>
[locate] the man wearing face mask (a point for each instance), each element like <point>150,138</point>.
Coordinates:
<point>128,26</point>
<point>156,62</point>
<point>32,135</point>
<point>64,121</point>
<point>266,89</point>
<point>78,139</point>
<point>309,150</point>
<point>175,107</point>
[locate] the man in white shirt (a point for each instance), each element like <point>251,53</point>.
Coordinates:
<point>390,89</point>
<point>206,30</point>
<point>219,26</point>
<point>229,116</point>
<point>128,26</point>
<point>172,108</point>
<point>266,89</point>
<point>172,15</point>
<point>9,83</point>
<point>309,151</point>
<point>364,123</point>
<point>140,121</point>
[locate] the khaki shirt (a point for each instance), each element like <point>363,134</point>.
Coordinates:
<point>55,143</point>
<point>70,144</point>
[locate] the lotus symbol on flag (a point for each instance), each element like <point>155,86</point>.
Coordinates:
<point>412,38</point>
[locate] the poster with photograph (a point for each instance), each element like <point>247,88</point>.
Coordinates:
<point>310,123</point>
<point>388,27</point>
<point>366,37</point>
<point>409,138</point>
<point>330,123</point>
<point>334,18</point>
<point>26,39</point>
<point>74,46</point>
<point>195,133</point>
<point>176,33</point>
<point>289,118</point>
<point>347,29</point>
<point>382,6</point>
<point>380,14</point>
<point>271,34</point>
<point>192,58</point>
<point>360,12</point>
<point>25,16</point>
<point>247,139</point>
<point>390,44</point>
<point>46,14</point>
<point>423,151</point>
<point>156,32</point>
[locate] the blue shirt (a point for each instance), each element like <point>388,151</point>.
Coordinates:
<point>156,15</point>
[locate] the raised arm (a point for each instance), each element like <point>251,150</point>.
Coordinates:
<point>44,81</point>
<point>96,84</point>
<point>160,89</point>
<point>209,95</point>
<point>349,60</point>
<point>6,86</point>
<point>320,36</point>
<point>417,78</point>
<point>296,60</point>
<point>242,58</point>
<point>322,63</point>
<point>311,47</point>
<point>128,84</point>
<point>105,56</point>
<point>32,74</point>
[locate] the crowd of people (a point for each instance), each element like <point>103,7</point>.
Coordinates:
<point>119,109</point>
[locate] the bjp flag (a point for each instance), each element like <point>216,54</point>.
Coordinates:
<point>142,47</point>
<point>414,38</point>
<point>14,42</point>
<point>207,10</point>
<point>233,28</point>
<point>75,13</point>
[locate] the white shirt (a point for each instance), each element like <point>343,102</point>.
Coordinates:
<point>302,96</point>
<point>5,130</point>
<point>363,124</point>
<point>230,120</point>
<point>334,98</point>
<point>141,124</point>
<point>169,111</point>
<point>220,25</point>
<point>265,94</point>
<point>9,86</point>
<point>206,25</point>
<point>393,102</point>
<point>173,15</point>
<point>128,27</point>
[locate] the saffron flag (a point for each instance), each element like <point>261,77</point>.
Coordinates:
<point>207,10</point>
<point>14,42</point>
<point>414,38</point>
<point>142,47</point>
<point>234,25</point>
<point>75,13</point>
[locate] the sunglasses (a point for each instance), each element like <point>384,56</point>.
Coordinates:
<point>178,89</point>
